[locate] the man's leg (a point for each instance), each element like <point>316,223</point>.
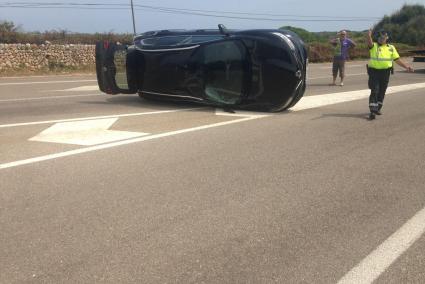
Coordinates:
<point>374,90</point>
<point>342,71</point>
<point>383,84</point>
<point>334,71</point>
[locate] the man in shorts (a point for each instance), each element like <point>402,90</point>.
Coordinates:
<point>341,46</point>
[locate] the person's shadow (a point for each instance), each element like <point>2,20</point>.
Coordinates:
<point>344,115</point>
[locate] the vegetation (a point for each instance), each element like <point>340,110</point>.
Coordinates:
<point>406,25</point>
<point>9,33</point>
<point>406,29</point>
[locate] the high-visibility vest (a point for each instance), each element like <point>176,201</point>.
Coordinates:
<point>382,56</point>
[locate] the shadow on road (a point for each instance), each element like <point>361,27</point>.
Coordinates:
<point>136,101</point>
<point>420,71</point>
<point>344,115</point>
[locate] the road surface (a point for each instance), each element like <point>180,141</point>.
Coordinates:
<point>116,189</point>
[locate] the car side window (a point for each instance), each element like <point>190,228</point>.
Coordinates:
<point>224,66</point>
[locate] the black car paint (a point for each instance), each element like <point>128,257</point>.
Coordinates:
<point>273,73</point>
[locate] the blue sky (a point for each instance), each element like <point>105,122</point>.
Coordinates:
<point>305,14</point>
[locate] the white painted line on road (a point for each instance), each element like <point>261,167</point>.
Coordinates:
<point>240,113</point>
<point>46,98</point>
<point>371,267</point>
<point>305,103</point>
<point>86,133</point>
<point>324,77</point>
<point>335,98</point>
<point>82,88</point>
<point>46,76</point>
<point>346,66</point>
<point>120,143</point>
<point>45,82</point>
<point>95,117</point>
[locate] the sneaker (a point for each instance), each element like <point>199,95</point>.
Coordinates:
<point>341,84</point>
<point>371,116</point>
<point>378,112</point>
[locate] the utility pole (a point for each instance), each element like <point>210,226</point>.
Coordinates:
<point>134,22</point>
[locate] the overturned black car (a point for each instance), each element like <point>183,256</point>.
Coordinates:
<point>252,69</point>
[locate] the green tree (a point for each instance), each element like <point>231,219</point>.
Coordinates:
<point>305,35</point>
<point>405,25</point>
<point>8,32</point>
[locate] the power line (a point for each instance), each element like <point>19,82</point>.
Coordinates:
<point>187,10</point>
<point>170,10</point>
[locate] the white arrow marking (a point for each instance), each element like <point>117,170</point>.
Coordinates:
<point>87,133</point>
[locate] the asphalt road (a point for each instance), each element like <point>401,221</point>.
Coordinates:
<point>116,189</point>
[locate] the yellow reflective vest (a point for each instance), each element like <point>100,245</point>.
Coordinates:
<point>382,56</point>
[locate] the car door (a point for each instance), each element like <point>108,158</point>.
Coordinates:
<point>113,69</point>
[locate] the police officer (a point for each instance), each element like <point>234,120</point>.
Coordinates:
<point>380,66</point>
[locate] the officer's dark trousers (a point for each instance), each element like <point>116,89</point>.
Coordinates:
<point>378,83</point>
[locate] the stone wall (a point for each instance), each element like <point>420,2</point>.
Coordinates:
<point>32,57</point>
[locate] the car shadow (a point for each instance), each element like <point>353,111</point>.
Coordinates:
<point>136,101</point>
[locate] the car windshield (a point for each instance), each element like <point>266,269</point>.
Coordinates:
<point>177,40</point>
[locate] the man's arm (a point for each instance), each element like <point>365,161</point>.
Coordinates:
<point>404,65</point>
<point>369,40</point>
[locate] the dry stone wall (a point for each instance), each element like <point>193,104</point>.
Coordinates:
<point>32,57</point>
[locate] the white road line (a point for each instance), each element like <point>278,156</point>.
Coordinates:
<point>120,143</point>
<point>346,66</point>
<point>335,98</point>
<point>324,77</point>
<point>95,117</point>
<point>46,98</point>
<point>46,82</point>
<point>371,267</point>
<point>85,133</point>
<point>46,76</point>
<point>82,88</point>
<point>305,103</point>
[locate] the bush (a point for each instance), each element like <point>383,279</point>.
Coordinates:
<point>406,25</point>
<point>9,33</point>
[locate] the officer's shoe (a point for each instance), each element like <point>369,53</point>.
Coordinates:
<point>377,112</point>
<point>371,116</point>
